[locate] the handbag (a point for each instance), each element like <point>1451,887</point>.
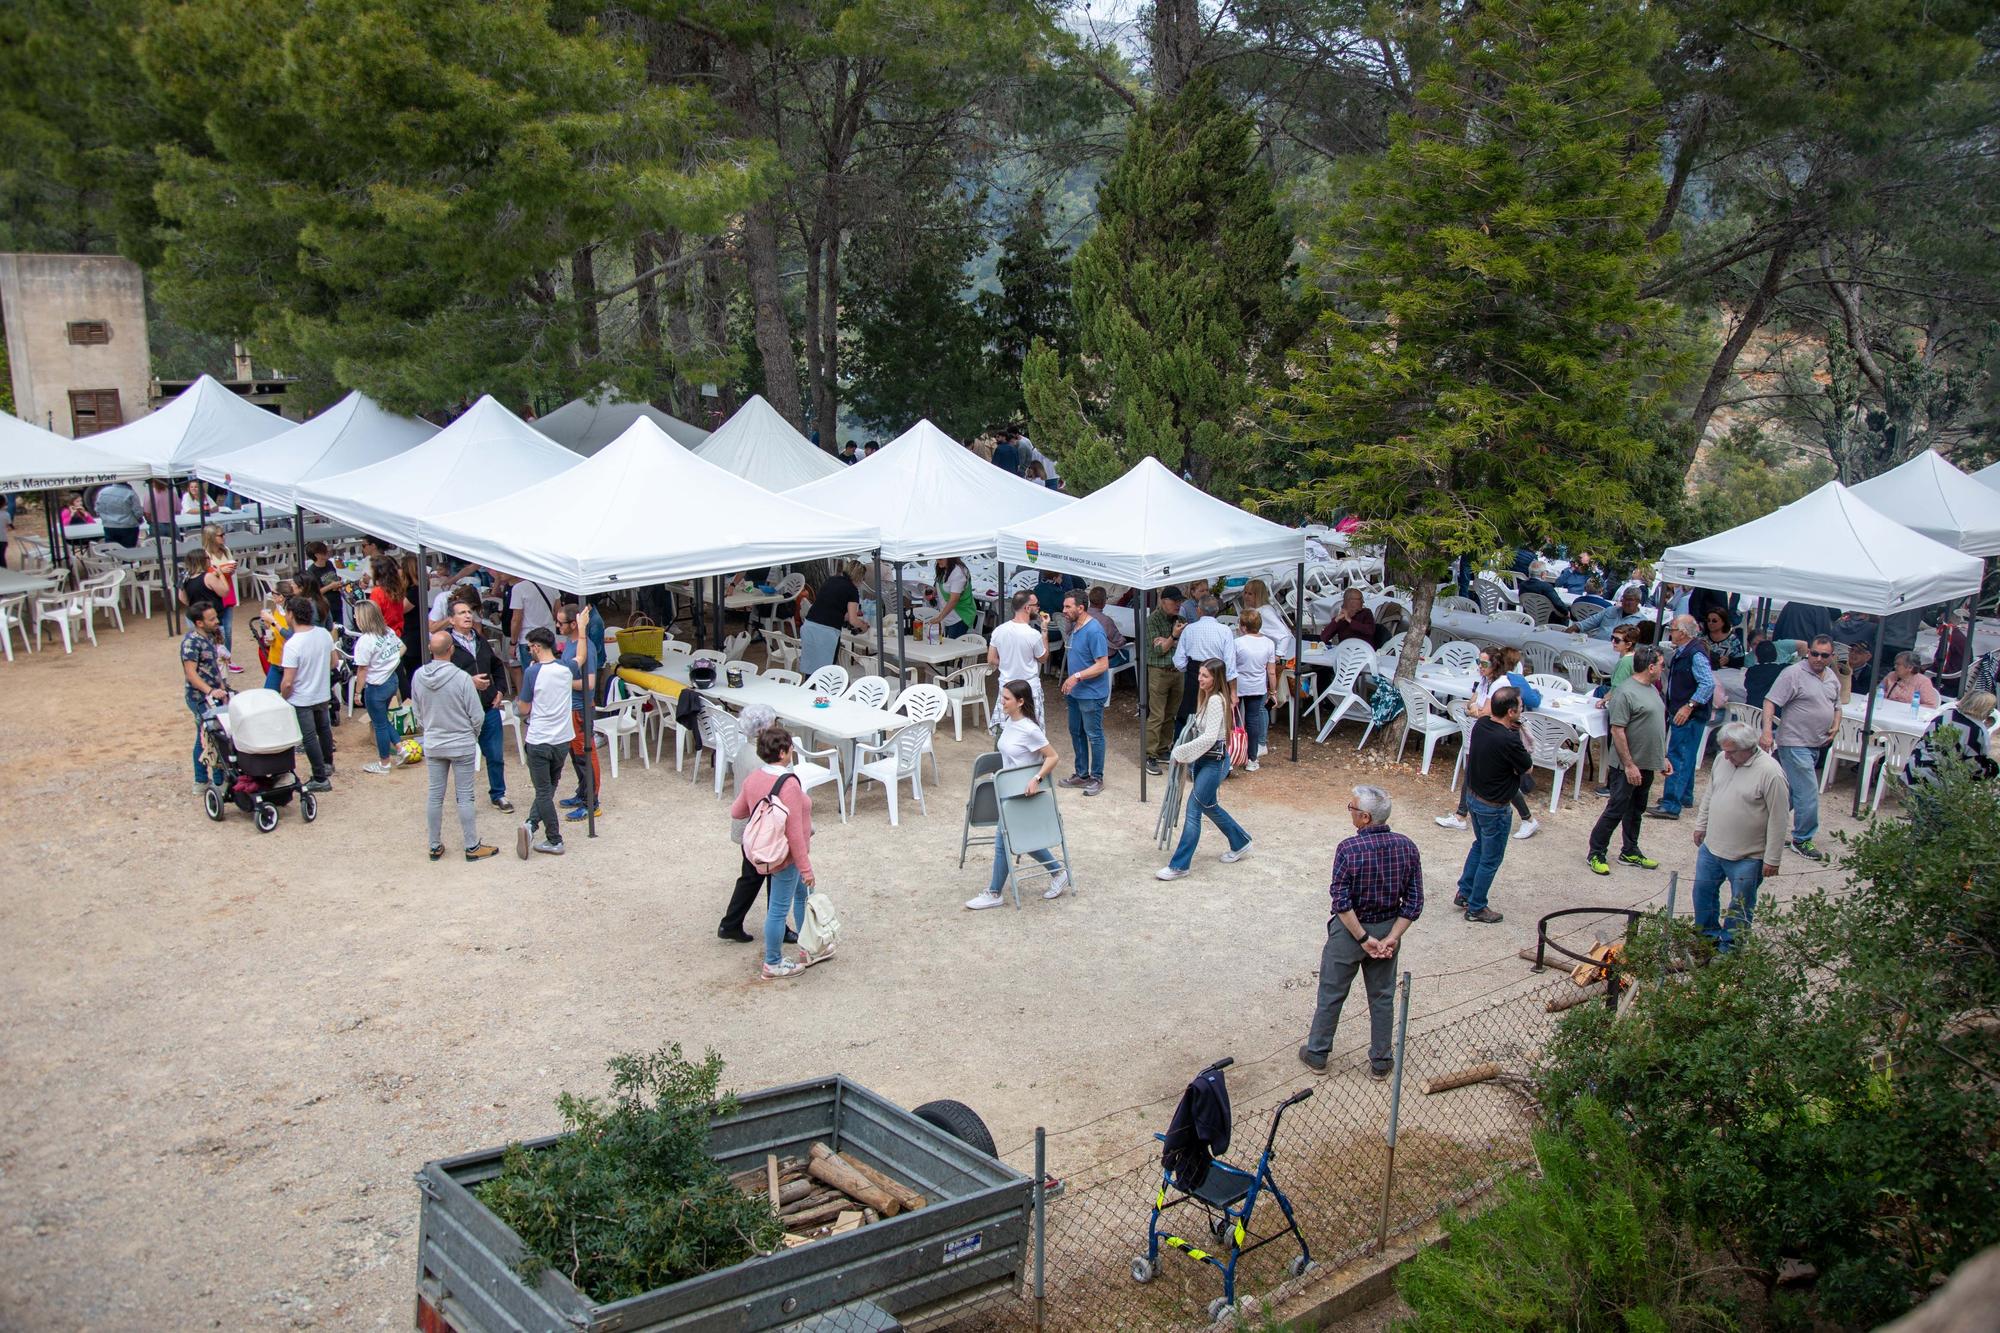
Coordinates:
<point>641,638</point>
<point>403,718</point>
<point>1239,740</point>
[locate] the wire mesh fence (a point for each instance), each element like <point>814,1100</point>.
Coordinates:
<point>1460,1098</point>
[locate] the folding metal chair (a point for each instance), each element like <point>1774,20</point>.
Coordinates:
<point>982,806</point>
<point>1030,824</point>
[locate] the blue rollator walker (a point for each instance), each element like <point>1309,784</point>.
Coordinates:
<point>1226,1195</point>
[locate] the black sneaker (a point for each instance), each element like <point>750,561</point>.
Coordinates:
<point>1808,850</point>
<point>1093,787</point>
<point>1458,901</point>
<point>1153,767</point>
<point>791,936</point>
<point>1317,1066</point>
<point>1661,812</point>
<point>1380,1073</point>
<point>1485,916</point>
<point>502,804</point>
<point>738,936</point>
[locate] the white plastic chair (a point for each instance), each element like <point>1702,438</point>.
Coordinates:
<point>816,768</point>
<point>1512,617</point>
<point>1455,603</point>
<point>101,594</point>
<point>623,719</point>
<point>966,688</point>
<point>1349,660</point>
<point>900,757</point>
<point>1490,595</point>
<point>749,669</point>
<point>14,618</point>
<point>1577,667</point>
<point>1555,745</point>
<point>676,647</point>
<point>1539,657</point>
<point>1538,608</point>
<point>1458,655</point>
<point>1896,748</point>
<point>872,691</point>
<point>63,609</point>
<point>830,681</point>
<point>1421,713</point>
<point>780,650</point>
<point>662,719</point>
<point>512,721</point>
<point>783,677</point>
<point>924,703</point>
<point>721,733</point>
<point>1847,750</point>
<point>1549,683</point>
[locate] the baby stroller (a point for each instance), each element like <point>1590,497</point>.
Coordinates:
<point>252,749</point>
<point>1225,1194</point>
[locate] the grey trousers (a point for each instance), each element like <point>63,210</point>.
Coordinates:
<point>1337,965</point>
<point>440,767</point>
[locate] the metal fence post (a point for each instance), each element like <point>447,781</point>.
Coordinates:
<point>1041,1217</point>
<point>1395,1111</point>
<point>1673,883</point>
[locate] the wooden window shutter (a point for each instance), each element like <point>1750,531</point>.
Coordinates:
<point>89,332</point>
<point>94,410</point>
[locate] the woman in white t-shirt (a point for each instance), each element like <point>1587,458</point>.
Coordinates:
<point>1022,741</point>
<point>1256,680</point>
<point>1257,595</point>
<point>376,655</point>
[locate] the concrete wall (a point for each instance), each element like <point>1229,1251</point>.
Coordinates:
<point>39,296</point>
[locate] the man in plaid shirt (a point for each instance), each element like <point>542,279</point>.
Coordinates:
<point>1377,892</point>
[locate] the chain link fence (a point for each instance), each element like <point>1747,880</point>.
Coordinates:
<point>1361,1163</point>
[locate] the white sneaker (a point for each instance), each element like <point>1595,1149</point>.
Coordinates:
<point>1451,821</point>
<point>1168,872</point>
<point>1058,885</point>
<point>1236,854</point>
<point>377,767</point>
<point>1252,766</point>
<point>984,901</point>
<point>1528,829</point>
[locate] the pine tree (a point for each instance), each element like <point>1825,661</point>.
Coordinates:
<point>1180,305</point>
<point>1034,299</point>
<point>1489,356</point>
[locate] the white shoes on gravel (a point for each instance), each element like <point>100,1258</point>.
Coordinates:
<point>1528,829</point>
<point>1452,821</point>
<point>1235,854</point>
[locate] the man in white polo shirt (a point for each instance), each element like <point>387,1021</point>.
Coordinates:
<point>1018,648</point>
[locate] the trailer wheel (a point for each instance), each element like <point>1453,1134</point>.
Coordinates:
<point>211,803</point>
<point>960,1121</point>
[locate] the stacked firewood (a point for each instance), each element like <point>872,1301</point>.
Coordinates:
<point>825,1193</point>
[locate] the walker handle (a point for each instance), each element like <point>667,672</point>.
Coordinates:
<point>1295,1098</point>
<point>1223,1063</point>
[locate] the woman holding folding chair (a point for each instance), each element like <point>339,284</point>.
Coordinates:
<point>1022,742</point>
<point>1205,752</point>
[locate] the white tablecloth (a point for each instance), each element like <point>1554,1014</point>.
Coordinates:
<point>13,583</point>
<point>1470,625</point>
<point>1894,717</point>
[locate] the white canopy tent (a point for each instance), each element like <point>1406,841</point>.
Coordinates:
<point>585,425</point>
<point>486,453</point>
<point>207,419</point>
<point>761,446</point>
<point>1930,496</point>
<point>1830,548</point>
<point>352,433</point>
<point>1148,529</point>
<point>1989,476</point>
<point>642,510</point>
<point>33,459</point>
<point>931,495</point>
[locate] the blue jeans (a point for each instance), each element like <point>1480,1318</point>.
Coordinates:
<point>1256,721</point>
<point>1203,784</point>
<point>1086,736</point>
<point>1001,862</point>
<point>788,899</point>
<point>1744,876</point>
<point>1802,777</point>
<point>954,628</point>
<point>493,745</point>
<point>274,677</point>
<point>1490,826</point>
<point>376,699</point>
<point>1683,742</point>
<point>198,707</point>
<point>228,617</point>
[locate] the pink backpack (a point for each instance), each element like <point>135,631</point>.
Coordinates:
<point>765,845</point>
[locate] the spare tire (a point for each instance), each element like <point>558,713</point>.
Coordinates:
<point>961,1122</point>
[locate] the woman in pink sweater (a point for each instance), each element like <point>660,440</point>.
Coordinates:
<point>790,881</point>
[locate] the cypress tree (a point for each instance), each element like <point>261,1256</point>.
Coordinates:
<point>1033,301</point>
<point>1180,302</point>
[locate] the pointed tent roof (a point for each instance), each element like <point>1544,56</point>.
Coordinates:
<point>585,425</point>
<point>1830,549</point>
<point>1929,495</point>
<point>206,419</point>
<point>931,496</point>
<point>1149,528</point>
<point>487,452</point>
<point>33,459</point>
<point>353,433</point>
<point>759,445</point>
<point>1989,475</point>
<point>642,510</point>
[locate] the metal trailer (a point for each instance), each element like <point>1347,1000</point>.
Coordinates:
<point>970,1242</point>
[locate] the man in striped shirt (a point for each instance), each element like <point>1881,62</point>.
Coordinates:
<point>1377,893</point>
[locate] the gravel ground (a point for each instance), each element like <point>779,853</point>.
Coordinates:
<point>226,1052</point>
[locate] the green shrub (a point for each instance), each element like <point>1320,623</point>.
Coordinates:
<point>628,1199</point>
<point>1584,1245</point>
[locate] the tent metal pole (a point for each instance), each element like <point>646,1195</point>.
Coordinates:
<point>49,525</point>
<point>902,647</point>
<point>715,589</point>
<point>1141,645</point>
<point>299,538</point>
<point>700,625</point>
<point>1298,637</point>
<point>1972,630</point>
<point>1867,714</point>
<point>880,608</point>
<point>589,718</point>
<point>160,559</point>
<point>174,527</point>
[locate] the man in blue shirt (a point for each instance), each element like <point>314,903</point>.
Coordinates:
<point>1690,682</point>
<point>1007,454</point>
<point>1600,625</point>
<point>1577,577</point>
<point>1088,687</point>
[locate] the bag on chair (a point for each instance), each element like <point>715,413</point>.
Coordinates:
<point>1239,740</point>
<point>765,845</point>
<point>821,930</point>
<point>641,638</point>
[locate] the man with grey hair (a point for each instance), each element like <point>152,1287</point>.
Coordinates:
<point>1740,832</point>
<point>1690,684</point>
<point>1377,893</point>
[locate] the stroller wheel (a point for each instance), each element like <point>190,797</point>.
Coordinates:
<point>267,817</point>
<point>308,806</point>
<point>1217,1308</point>
<point>1300,1266</point>
<point>1220,1226</point>
<point>1143,1270</point>
<point>211,803</point>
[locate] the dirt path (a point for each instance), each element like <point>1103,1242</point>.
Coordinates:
<point>227,1052</point>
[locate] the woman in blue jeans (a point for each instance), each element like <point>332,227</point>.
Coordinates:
<point>376,654</point>
<point>1022,742</point>
<point>1206,753</point>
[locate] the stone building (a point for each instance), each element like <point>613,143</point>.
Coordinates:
<point>76,340</point>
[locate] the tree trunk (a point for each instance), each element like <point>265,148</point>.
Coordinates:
<point>1747,323</point>
<point>680,340</point>
<point>828,398</point>
<point>1423,592</point>
<point>1692,137</point>
<point>583,282</point>
<point>772,330</point>
<point>648,296</point>
<point>1176,43</point>
<point>815,368</point>
<point>715,322</point>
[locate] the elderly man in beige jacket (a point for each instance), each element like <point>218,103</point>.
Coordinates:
<point>1740,831</point>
